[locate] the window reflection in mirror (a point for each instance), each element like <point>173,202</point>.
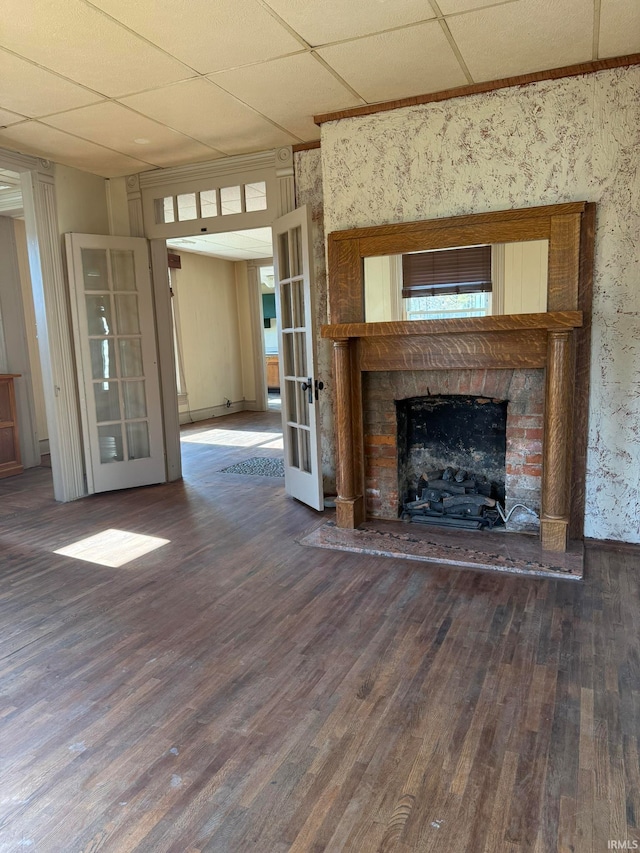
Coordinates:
<point>448,283</point>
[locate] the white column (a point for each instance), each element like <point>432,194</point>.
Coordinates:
<point>54,333</point>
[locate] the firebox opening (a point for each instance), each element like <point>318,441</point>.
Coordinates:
<point>451,459</point>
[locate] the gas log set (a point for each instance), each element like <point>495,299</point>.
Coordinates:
<point>454,498</point>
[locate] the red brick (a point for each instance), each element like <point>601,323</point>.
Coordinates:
<point>515,432</point>
<point>379,439</point>
<point>381,452</point>
<point>534,459</point>
<point>525,421</point>
<point>534,433</point>
<point>514,469</point>
<point>533,470</point>
<point>385,463</point>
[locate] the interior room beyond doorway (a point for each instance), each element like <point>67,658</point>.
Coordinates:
<point>224,320</point>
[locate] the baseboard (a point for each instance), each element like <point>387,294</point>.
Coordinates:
<point>613,545</point>
<point>211,412</point>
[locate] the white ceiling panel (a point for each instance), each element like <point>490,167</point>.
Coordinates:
<point>335,20</point>
<point>7,118</point>
<point>206,35</point>
<point>619,27</point>
<point>274,88</point>
<point>32,91</point>
<point>397,64</point>
<point>452,7</point>
<point>32,137</point>
<point>202,110</point>
<point>82,43</point>
<point>232,246</point>
<point>522,37</point>
<point>121,129</point>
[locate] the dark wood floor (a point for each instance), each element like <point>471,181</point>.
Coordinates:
<point>234,691</point>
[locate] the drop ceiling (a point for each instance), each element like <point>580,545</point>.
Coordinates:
<point>246,245</point>
<point>116,87</point>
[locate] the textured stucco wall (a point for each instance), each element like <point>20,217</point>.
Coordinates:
<point>545,143</point>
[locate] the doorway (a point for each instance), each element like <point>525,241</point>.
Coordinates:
<point>225,340</point>
<point>19,353</point>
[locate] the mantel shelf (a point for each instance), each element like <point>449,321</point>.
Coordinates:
<point>459,326</point>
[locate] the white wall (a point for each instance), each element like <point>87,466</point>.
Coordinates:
<point>563,140</point>
<point>205,290</point>
<point>31,333</point>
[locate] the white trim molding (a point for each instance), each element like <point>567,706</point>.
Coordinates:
<point>146,190</point>
<point>54,336</point>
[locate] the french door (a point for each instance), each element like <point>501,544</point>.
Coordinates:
<point>117,362</point>
<point>299,386</point>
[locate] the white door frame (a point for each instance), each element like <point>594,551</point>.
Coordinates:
<point>141,189</point>
<point>14,343</point>
<point>52,317</point>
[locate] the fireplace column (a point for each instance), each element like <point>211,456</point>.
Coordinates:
<point>556,472</point>
<point>349,505</point>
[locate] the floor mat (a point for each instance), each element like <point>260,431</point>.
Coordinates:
<point>485,551</point>
<point>258,466</point>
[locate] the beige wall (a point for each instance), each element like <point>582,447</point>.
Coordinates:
<point>525,277</point>
<point>82,202</point>
<point>207,311</point>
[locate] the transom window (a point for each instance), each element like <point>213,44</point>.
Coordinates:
<point>207,204</point>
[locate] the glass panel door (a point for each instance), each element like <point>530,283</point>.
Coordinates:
<point>115,341</point>
<point>303,478</point>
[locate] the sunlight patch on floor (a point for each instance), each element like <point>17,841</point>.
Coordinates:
<point>112,548</point>
<point>229,437</point>
<point>276,444</point>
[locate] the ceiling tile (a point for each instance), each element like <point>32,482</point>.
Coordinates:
<point>7,118</point>
<point>274,89</point>
<point>619,27</point>
<point>116,127</point>
<point>523,37</point>
<point>202,110</point>
<point>206,35</point>
<point>451,7</point>
<point>35,138</point>
<point>32,91</point>
<point>84,45</point>
<point>397,64</point>
<point>334,20</point>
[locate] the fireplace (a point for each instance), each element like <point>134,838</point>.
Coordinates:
<point>550,444</point>
<point>389,400</point>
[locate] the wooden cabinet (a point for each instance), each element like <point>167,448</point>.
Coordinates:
<point>273,372</point>
<point>10,462</point>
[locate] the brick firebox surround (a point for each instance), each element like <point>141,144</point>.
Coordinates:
<point>524,389</point>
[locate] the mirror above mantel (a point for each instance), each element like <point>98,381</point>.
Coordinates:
<point>468,281</point>
<point>555,337</point>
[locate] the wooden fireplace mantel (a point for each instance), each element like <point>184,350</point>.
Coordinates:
<point>506,341</point>
<point>515,341</point>
<point>557,341</point>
